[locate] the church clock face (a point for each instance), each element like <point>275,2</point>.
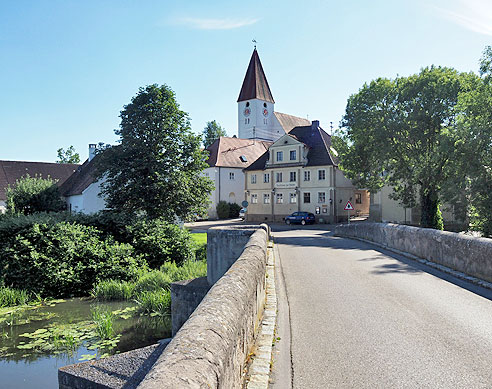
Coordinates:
<point>265,112</point>
<point>247,112</point>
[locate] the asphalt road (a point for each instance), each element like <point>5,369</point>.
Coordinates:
<point>352,315</point>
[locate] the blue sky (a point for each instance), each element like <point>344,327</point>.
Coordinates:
<point>68,67</point>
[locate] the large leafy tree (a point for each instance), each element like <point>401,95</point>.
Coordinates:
<point>402,133</point>
<point>34,194</point>
<point>212,132</point>
<point>155,170</point>
<point>68,156</point>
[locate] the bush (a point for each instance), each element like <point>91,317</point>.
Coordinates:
<point>159,242</point>
<point>34,194</point>
<point>222,210</point>
<point>57,259</point>
<point>234,210</point>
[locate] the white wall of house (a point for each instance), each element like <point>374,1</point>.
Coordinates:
<point>3,207</point>
<point>229,187</point>
<point>88,202</point>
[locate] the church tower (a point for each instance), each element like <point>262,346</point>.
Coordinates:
<point>255,104</point>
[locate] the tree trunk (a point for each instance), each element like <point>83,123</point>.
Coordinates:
<point>431,214</point>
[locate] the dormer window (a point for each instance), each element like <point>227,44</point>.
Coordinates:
<point>243,158</point>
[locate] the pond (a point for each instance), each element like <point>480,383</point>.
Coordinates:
<point>36,341</point>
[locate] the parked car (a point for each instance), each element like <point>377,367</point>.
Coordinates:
<point>242,213</point>
<point>300,217</point>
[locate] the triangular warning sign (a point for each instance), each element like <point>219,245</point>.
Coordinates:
<point>349,206</point>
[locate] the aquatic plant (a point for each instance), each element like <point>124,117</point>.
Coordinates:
<point>113,290</point>
<point>155,302</point>
<point>104,321</point>
<point>11,297</point>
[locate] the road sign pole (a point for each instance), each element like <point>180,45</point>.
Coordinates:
<point>348,217</point>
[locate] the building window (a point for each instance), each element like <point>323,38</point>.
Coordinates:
<point>254,198</point>
<point>292,155</point>
<point>280,198</point>
<point>207,175</point>
<point>321,197</point>
<point>321,174</point>
<point>293,198</point>
<point>253,178</point>
<point>280,156</point>
<point>307,197</point>
<point>358,198</point>
<point>307,175</point>
<point>231,176</point>
<point>266,178</point>
<point>292,176</point>
<point>279,177</point>
<point>266,198</point>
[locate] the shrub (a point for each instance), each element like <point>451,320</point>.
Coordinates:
<point>60,258</point>
<point>113,290</point>
<point>10,297</point>
<point>234,210</point>
<point>222,210</point>
<point>159,242</point>
<point>34,194</point>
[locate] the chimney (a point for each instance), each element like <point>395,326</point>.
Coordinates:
<point>315,124</point>
<point>92,151</point>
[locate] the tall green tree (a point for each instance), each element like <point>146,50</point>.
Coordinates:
<point>68,156</point>
<point>155,170</point>
<point>212,132</point>
<point>402,133</point>
<point>474,148</point>
<point>34,194</point>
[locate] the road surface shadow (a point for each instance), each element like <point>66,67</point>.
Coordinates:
<point>403,264</point>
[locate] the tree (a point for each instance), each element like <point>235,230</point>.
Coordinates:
<point>402,133</point>
<point>34,194</point>
<point>212,132</point>
<point>68,156</point>
<point>155,170</point>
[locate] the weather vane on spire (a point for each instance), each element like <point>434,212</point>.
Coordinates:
<point>254,41</point>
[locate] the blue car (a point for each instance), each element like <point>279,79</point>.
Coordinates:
<point>300,217</point>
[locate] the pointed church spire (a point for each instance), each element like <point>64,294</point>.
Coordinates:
<point>255,85</point>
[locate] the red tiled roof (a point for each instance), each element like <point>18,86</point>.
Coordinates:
<point>80,180</point>
<point>255,84</point>
<point>11,171</point>
<point>288,122</point>
<point>227,152</point>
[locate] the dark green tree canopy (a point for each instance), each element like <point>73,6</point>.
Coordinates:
<point>34,194</point>
<point>402,133</point>
<point>212,132</point>
<point>68,156</point>
<point>155,170</point>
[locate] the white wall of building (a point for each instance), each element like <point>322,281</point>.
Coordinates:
<point>3,207</point>
<point>257,124</point>
<point>88,202</point>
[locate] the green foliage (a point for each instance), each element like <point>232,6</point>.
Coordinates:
<point>151,281</point>
<point>157,301</point>
<point>104,323</point>
<point>187,271</point>
<point>200,240</point>
<point>68,156</point>
<point>159,242</point>
<point>155,170</point>
<point>212,132</point>
<point>11,297</point>
<point>53,258</point>
<point>222,209</point>
<point>234,210</point>
<point>113,290</point>
<point>402,133</point>
<point>34,194</point>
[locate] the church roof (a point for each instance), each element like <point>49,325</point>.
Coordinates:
<point>11,171</point>
<point>235,152</point>
<point>288,122</point>
<point>255,84</point>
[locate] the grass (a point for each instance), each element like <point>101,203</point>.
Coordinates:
<point>113,290</point>
<point>200,238</point>
<point>11,297</point>
<point>156,301</point>
<point>104,323</point>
